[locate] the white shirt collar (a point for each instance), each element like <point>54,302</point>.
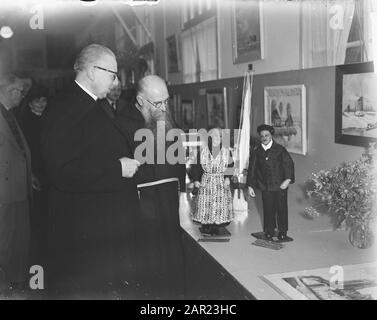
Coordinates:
<point>87,91</point>
<point>5,105</point>
<point>267,146</point>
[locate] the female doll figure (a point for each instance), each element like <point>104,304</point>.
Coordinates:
<point>214,202</point>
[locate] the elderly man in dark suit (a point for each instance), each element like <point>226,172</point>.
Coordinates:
<point>93,198</point>
<point>271,169</point>
<point>15,187</point>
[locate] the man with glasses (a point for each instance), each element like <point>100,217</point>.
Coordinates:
<point>160,187</point>
<point>93,197</point>
<point>15,189</point>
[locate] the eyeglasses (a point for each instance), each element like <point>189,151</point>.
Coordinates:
<point>115,74</point>
<point>158,104</point>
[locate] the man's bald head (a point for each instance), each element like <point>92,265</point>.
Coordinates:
<point>96,69</point>
<point>90,55</point>
<point>153,88</point>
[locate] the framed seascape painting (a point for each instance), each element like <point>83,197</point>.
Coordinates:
<point>356,104</point>
<point>285,110</point>
<point>247,31</point>
<point>188,114</point>
<point>217,108</point>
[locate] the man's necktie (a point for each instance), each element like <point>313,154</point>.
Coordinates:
<point>12,123</point>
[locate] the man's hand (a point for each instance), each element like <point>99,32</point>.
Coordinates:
<point>227,182</point>
<point>129,167</point>
<point>251,192</point>
<point>285,184</point>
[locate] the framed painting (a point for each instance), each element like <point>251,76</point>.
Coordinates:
<point>217,108</point>
<point>175,110</point>
<point>188,114</point>
<point>285,110</point>
<point>173,54</point>
<point>247,31</point>
<point>356,104</point>
<point>359,282</point>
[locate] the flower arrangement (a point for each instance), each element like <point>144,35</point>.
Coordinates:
<point>348,192</point>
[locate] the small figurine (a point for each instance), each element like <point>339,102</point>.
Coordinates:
<point>214,202</point>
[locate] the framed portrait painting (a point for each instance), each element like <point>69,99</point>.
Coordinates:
<point>188,114</point>
<point>285,110</point>
<point>356,104</point>
<point>173,54</point>
<point>217,108</point>
<point>247,31</point>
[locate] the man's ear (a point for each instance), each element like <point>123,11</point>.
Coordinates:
<point>90,73</point>
<point>140,101</point>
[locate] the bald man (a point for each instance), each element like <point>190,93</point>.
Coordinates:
<point>15,188</point>
<point>159,185</point>
<point>93,199</point>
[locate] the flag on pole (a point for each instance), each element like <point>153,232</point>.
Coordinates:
<point>242,147</point>
<point>243,137</point>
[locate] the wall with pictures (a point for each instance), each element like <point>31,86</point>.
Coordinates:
<point>322,151</point>
<point>280,25</point>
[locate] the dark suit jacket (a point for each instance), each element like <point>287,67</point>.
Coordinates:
<point>268,169</point>
<point>15,167</point>
<point>90,203</point>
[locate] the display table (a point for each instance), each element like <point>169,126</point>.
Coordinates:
<point>315,245</point>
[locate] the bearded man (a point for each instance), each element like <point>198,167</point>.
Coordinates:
<point>159,186</point>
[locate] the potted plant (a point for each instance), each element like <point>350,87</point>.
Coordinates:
<point>348,194</point>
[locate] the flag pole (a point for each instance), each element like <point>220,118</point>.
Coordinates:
<point>244,131</point>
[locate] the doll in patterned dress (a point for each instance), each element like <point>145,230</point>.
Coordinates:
<point>214,202</point>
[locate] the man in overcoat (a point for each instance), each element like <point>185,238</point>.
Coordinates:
<point>93,203</point>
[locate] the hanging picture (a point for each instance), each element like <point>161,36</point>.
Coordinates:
<point>217,108</point>
<point>174,107</point>
<point>188,114</point>
<point>173,54</point>
<point>356,104</point>
<point>359,282</point>
<point>285,110</point>
<point>247,31</point>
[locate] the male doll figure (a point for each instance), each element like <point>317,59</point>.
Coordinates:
<point>271,169</point>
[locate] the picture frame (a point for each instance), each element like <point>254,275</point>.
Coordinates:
<point>188,114</point>
<point>173,54</point>
<point>247,31</point>
<point>359,283</point>
<point>175,109</point>
<point>217,109</point>
<point>356,104</point>
<point>285,110</point>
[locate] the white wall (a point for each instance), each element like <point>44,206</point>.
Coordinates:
<point>280,27</point>
<point>281,34</point>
